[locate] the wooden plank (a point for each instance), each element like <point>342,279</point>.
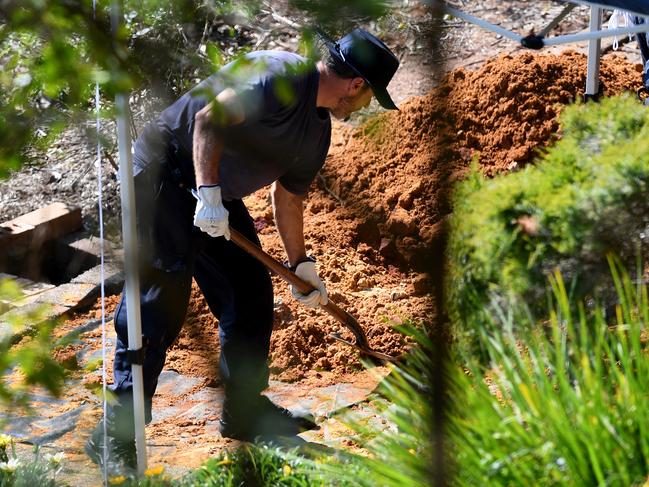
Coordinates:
<point>37,227</point>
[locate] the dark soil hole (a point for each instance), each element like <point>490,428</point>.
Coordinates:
<point>53,262</point>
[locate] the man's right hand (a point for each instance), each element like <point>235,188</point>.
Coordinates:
<point>210,215</point>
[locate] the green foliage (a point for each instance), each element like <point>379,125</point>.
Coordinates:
<point>51,53</point>
<point>338,16</point>
<point>566,405</point>
<point>40,470</point>
<point>172,44</point>
<point>256,465</point>
<point>253,465</point>
<point>32,359</point>
<point>585,198</point>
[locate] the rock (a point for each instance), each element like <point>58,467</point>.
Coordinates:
<point>401,223</point>
<point>430,233</point>
<point>406,199</point>
<point>397,295</point>
<point>388,248</point>
<point>364,283</point>
<point>421,284</point>
<point>368,231</point>
<point>364,249</point>
<point>323,363</point>
<point>333,277</point>
<point>341,357</point>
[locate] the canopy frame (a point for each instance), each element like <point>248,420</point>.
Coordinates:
<point>538,41</point>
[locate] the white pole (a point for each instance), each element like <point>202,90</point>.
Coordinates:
<point>595,34</point>
<point>132,287</point>
<point>594,54</point>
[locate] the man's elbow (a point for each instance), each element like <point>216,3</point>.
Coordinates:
<point>203,119</point>
<point>281,196</point>
<point>276,192</point>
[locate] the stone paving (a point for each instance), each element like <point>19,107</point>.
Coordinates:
<point>183,432</point>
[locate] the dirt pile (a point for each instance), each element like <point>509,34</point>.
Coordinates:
<point>508,109</point>
<point>390,171</point>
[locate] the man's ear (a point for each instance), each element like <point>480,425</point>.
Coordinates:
<point>356,86</point>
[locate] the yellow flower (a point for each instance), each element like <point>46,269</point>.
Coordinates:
<point>118,480</point>
<point>287,470</point>
<point>153,471</point>
<point>54,459</point>
<point>412,451</point>
<point>225,462</point>
<point>5,440</point>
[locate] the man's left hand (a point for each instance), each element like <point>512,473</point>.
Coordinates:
<point>306,271</point>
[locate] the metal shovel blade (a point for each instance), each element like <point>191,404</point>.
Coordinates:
<point>347,320</point>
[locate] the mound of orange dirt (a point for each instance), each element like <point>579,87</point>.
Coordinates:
<point>391,171</point>
<point>374,216</point>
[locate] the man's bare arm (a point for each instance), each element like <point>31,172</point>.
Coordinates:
<point>288,211</point>
<point>207,145</point>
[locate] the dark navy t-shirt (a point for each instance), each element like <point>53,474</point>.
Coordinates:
<point>284,137</point>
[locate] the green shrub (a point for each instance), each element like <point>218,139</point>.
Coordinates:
<point>586,197</point>
<point>562,406</point>
<point>253,465</point>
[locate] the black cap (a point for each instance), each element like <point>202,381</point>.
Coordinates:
<point>370,59</point>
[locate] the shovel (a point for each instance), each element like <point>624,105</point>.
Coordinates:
<point>348,321</point>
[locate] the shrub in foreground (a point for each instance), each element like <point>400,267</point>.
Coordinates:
<point>564,405</point>
<point>586,197</point>
<point>399,444</point>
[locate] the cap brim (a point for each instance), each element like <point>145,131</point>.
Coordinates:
<point>383,97</point>
<point>381,94</point>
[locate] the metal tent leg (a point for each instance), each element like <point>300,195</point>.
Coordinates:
<point>594,55</point>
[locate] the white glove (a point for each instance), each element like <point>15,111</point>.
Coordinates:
<point>210,215</point>
<point>306,271</point>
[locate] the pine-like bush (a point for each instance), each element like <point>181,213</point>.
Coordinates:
<point>585,198</point>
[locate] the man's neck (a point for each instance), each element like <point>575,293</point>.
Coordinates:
<point>327,87</point>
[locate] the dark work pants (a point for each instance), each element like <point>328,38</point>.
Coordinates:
<point>236,287</point>
<point>643,44</point>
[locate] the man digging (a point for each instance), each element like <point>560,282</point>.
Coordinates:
<point>258,121</point>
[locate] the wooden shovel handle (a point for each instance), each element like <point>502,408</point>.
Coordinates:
<point>304,287</point>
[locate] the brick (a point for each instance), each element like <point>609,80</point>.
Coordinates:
<point>66,295</point>
<point>92,245</point>
<point>30,290</point>
<point>33,229</point>
<point>113,277</point>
